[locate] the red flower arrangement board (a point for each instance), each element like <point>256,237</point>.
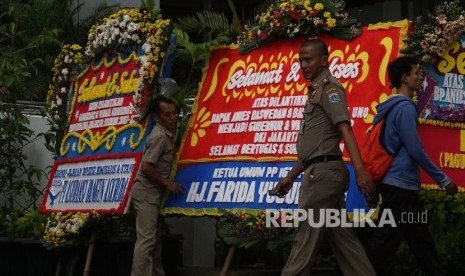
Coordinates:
<point>241,136</point>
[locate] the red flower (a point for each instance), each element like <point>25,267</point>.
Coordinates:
<point>295,15</point>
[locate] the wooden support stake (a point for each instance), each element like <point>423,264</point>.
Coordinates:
<point>60,260</point>
<point>229,259</point>
<point>90,252</point>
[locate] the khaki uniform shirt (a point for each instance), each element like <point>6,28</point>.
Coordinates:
<point>159,151</point>
<point>326,107</point>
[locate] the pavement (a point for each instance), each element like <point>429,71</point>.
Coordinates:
<point>202,271</point>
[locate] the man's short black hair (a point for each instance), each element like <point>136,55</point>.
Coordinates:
<point>398,68</point>
<point>155,107</point>
<point>319,45</point>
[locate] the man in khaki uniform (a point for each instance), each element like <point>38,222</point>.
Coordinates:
<point>326,178</point>
<point>151,182</point>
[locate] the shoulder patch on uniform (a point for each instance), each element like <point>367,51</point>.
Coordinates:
<point>334,97</point>
<point>331,89</point>
<point>324,81</point>
<point>321,83</point>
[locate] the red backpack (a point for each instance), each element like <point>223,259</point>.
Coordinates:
<point>376,159</point>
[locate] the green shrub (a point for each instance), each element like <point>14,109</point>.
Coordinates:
<point>16,224</point>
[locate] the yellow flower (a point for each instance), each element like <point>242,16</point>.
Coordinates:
<point>250,35</point>
<point>331,22</point>
<point>307,3</point>
<point>319,6</point>
<point>326,14</point>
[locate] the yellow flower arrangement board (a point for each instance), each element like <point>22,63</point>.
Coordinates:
<point>99,99</point>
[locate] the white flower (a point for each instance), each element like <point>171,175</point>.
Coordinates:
<point>427,112</point>
<point>143,59</point>
<point>146,47</point>
<point>132,26</point>
<point>64,71</point>
<point>131,106</point>
<point>63,90</point>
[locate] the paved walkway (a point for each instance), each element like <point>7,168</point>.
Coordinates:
<point>199,271</point>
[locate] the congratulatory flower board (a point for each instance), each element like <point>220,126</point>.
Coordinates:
<point>99,105</point>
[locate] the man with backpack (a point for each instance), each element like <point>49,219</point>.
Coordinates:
<point>400,186</point>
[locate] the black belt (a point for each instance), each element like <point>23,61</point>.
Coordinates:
<point>320,159</point>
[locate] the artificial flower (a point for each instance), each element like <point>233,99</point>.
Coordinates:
<point>285,18</point>
<point>432,34</point>
<point>67,229</point>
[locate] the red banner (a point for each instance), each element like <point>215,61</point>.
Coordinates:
<point>446,147</point>
<point>249,107</point>
<point>241,137</point>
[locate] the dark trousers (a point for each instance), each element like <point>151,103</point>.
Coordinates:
<point>410,217</point>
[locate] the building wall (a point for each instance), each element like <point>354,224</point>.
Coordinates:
<point>37,155</point>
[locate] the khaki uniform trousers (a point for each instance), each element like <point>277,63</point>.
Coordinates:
<point>323,186</point>
<point>147,250</point>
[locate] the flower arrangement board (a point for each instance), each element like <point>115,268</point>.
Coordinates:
<point>441,107</point>
<point>102,148</point>
<point>241,137</point>
<point>101,109</point>
<point>437,41</point>
<point>443,98</point>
